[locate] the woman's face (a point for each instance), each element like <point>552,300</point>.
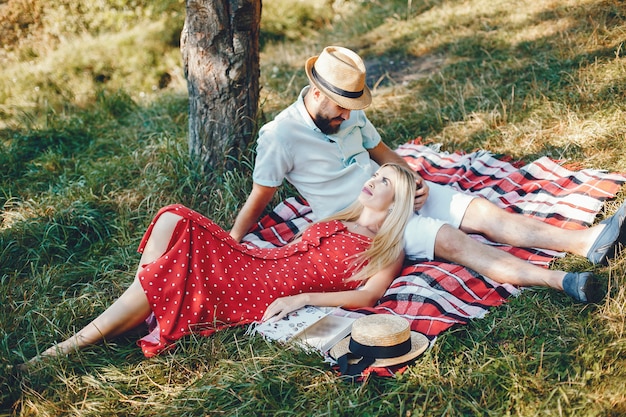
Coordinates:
<point>378,191</point>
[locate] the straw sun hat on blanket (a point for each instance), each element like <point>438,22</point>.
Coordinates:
<point>378,340</point>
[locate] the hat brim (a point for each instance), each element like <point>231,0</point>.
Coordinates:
<point>419,343</point>
<point>347,103</point>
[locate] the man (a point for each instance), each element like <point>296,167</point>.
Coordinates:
<point>326,147</point>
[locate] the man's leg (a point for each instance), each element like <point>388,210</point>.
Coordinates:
<point>518,230</point>
<point>454,245</point>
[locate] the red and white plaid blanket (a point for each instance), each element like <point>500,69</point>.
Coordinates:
<point>434,296</point>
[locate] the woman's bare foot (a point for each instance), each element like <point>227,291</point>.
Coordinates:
<point>60,349</point>
<point>38,360</point>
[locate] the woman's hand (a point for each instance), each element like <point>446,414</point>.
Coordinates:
<point>421,192</point>
<point>282,306</point>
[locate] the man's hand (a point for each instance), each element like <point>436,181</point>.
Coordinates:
<point>421,192</point>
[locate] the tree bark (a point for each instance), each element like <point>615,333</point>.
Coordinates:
<point>220,49</point>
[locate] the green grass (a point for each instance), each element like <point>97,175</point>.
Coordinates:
<point>93,120</point>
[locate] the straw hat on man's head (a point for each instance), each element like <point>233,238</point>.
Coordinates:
<point>339,73</point>
<point>378,340</point>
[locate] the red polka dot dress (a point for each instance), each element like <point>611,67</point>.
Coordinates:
<point>206,281</point>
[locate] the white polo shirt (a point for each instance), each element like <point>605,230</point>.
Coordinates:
<point>328,170</point>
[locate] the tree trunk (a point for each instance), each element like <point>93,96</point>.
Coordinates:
<point>220,49</point>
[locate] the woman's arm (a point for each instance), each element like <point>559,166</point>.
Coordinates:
<point>365,296</point>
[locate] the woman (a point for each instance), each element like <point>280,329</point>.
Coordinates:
<point>194,278</point>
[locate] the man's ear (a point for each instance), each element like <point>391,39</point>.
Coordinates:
<point>317,94</point>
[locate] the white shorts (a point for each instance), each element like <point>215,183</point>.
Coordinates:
<point>444,206</point>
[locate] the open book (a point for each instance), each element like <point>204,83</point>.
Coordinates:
<point>311,327</point>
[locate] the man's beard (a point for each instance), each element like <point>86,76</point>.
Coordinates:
<point>324,124</point>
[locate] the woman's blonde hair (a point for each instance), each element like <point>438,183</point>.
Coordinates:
<point>388,243</point>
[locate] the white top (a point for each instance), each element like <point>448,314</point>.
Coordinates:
<point>328,170</point>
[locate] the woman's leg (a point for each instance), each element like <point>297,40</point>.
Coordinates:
<point>132,307</point>
<point>126,313</point>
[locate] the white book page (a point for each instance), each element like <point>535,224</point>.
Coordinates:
<point>324,334</point>
<point>289,326</point>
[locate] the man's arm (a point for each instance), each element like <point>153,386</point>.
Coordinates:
<point>259,198</point>
<point>382,154</point>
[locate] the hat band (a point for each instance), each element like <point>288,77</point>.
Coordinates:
<point>380,352</point>
<point>368,355</point>
<point>332,88</point>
